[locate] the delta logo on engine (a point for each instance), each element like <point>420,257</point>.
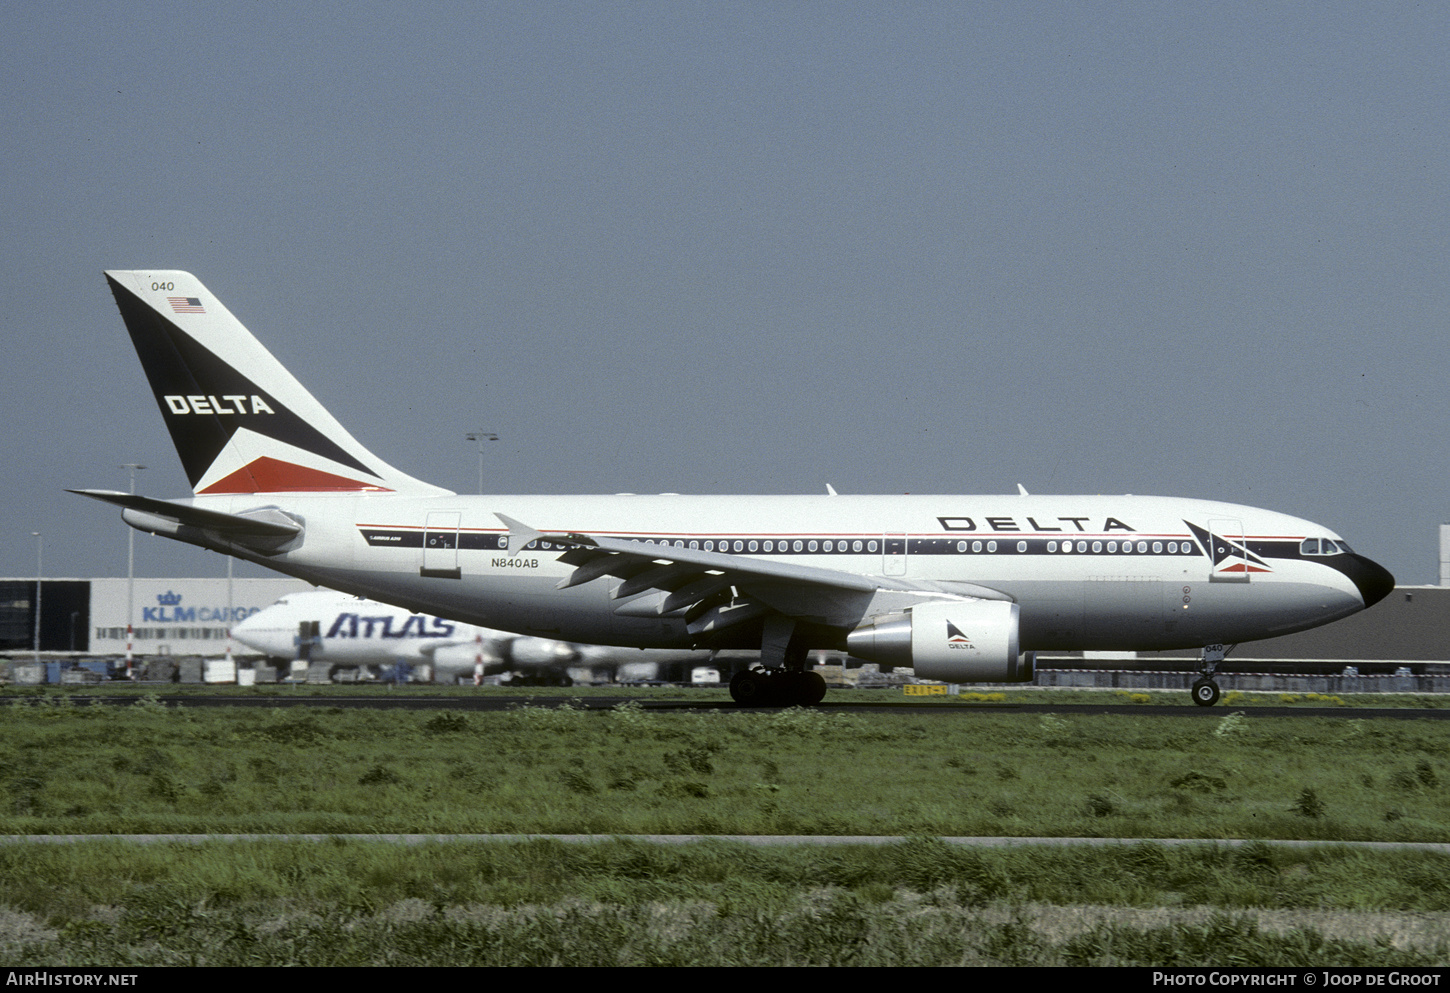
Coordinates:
<point>957,640</point>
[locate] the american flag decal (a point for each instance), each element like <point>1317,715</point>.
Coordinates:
<point>185,305</point>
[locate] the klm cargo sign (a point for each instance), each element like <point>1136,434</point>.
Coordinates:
<point>177,616</point>
<point>169,610</point>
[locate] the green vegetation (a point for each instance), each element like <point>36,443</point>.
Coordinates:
<point>921,902</point>
<point>144,767</point>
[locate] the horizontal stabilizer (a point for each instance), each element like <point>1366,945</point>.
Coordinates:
<point>266,526</point>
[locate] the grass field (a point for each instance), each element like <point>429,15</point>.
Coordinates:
<point>628,903</point>
<point>67,769</point>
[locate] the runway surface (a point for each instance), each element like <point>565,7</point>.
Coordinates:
<point>401,700</point>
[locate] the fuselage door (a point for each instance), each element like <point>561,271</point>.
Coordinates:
<point>1228,553</point>
<point>440,545</point>
<point>893,556</point>
<point>309,639</point>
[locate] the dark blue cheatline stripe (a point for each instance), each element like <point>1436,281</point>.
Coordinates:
<point>1004,545</point>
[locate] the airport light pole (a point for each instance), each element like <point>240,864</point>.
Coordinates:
<point>481,437</point>
<point>130,570</point>
<point>231,609</point>
<point>39,572</point>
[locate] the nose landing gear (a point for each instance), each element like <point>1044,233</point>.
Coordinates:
<point>1204,690</point>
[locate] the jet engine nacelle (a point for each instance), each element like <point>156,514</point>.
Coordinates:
<point>955,641</point>
<point>529,652</point>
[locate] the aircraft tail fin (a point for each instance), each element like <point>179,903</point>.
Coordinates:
<point>240,421</point>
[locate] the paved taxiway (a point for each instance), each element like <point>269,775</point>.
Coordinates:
<point>488,703</point>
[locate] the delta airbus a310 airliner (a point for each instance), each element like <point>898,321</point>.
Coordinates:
<point>960,588</point>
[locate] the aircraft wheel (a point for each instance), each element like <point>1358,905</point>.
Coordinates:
<point>789,688</point>
<point>1205,692</point>
<point>813,688</point>
<point>750,688</point>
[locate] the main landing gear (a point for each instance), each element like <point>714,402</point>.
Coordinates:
<point>1204,690</point>
<point>539,679</point>
<point>782,679</point>
<point>780,687</point>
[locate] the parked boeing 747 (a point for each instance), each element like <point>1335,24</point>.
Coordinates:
<point>960,588</point>
<point>344,632</point>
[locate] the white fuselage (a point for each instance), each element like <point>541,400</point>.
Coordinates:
<point>1089,572</point>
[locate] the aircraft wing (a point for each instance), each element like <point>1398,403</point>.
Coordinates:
<point>491,641</point>
<point>717,589</point>
<point>427,649</point>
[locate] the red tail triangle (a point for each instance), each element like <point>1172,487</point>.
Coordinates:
<point>269,475</point>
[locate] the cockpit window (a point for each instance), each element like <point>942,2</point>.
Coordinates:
<point>1310,546</point>
<point>1322,546</point>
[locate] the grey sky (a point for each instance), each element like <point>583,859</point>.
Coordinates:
<point>1196,250</point>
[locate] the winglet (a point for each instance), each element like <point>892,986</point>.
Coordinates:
<point>1022,490</point>
<point>830,490</point>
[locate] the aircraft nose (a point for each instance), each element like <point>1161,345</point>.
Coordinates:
<point>246,625</point>
<point>1373,580</point>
